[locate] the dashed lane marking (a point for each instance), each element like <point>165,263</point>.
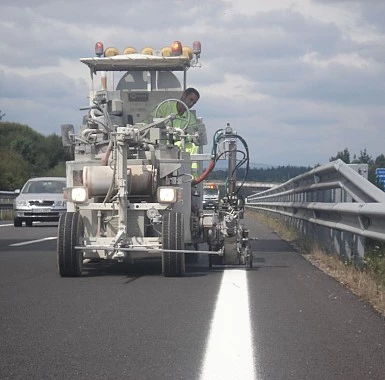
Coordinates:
<point>32,241</point>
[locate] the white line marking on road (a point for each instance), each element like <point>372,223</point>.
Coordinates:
<point>32,241</point>
<point>6,225</point>
<point>229,350</point>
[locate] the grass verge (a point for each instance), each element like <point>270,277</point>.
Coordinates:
<point>368,282</point>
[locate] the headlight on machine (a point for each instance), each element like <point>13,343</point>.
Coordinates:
<point>167,194</point>
<point>77,194</point>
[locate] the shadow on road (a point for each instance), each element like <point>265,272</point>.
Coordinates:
<point>270,246</point>
<point>134,271</point>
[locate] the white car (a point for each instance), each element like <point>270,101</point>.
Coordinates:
<point>40,199</point>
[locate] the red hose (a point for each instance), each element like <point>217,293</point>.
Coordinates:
<point>208,170</point>
<point>107,154</point>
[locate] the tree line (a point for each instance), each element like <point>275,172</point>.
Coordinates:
<point>363,158</point>
<point>25,153</point>
<point>278,174</point>
<point>281,174</point>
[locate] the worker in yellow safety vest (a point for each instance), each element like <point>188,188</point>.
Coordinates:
<point>189,97</point>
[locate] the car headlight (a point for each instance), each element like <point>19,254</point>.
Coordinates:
<point>60,203</point>
<point>77,194</point>
<point>21,203</point>
<point>167,194</point>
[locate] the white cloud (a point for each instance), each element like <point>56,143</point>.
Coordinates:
<point>352,59</point>
<point>299,79</point>
<point>241,89</point>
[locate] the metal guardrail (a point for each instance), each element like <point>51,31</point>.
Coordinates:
<point>6,199</point>
<point>6,204</point>
<point>252,184</point>
<point>334,204</point>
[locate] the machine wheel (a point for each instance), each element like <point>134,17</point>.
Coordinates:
<point>211,259</point>
<point>28,223</point>
<point>249,259</point>
<point>214,259</point>
<point>17,222</point>
<point>192,258</point>
<point>231,256</point>
<point>70,234</point>
<point>173,264</point>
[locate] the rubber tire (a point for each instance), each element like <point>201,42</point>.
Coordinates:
<point>28,223</point>
<point>192,258</point>
<point>17,222</point>
<point>70,233</point>
<point>210,257</point>
<point>249,260</point>
<point>214,259</point>
<point>210,261</point>
<point>173,264</point>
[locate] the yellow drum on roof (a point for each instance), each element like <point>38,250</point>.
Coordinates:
<point>147,51</point>
<point>129,50</point>
<point>111,51</point>
<point>166,51</point>
<point>187,52</point>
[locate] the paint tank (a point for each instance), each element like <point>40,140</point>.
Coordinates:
<point>98,179</point>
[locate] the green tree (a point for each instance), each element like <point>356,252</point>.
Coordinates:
<point>32,149</point>
<point>14,170</point>
<point>363,158</point>
<point>55,151</point>
<point>342,155</point>
<point>29,154</point>
<point>379,162</point>
<point>278,174</point>
<point>58,171</point>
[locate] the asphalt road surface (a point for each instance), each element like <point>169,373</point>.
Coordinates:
<point>282,319</point>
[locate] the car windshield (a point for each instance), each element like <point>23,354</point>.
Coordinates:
<point>210,191</point>
<point>44,186</point>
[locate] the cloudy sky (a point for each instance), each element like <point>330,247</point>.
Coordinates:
<point>300,80</point>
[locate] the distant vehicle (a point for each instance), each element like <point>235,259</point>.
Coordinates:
<point>40,199</point>
<point>210,196</point>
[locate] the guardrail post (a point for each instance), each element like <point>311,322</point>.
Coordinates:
<point>336,236</point>
<point>359,253</point>
<point>347,245</point>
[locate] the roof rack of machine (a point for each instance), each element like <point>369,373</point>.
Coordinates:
<point>174,58</point>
